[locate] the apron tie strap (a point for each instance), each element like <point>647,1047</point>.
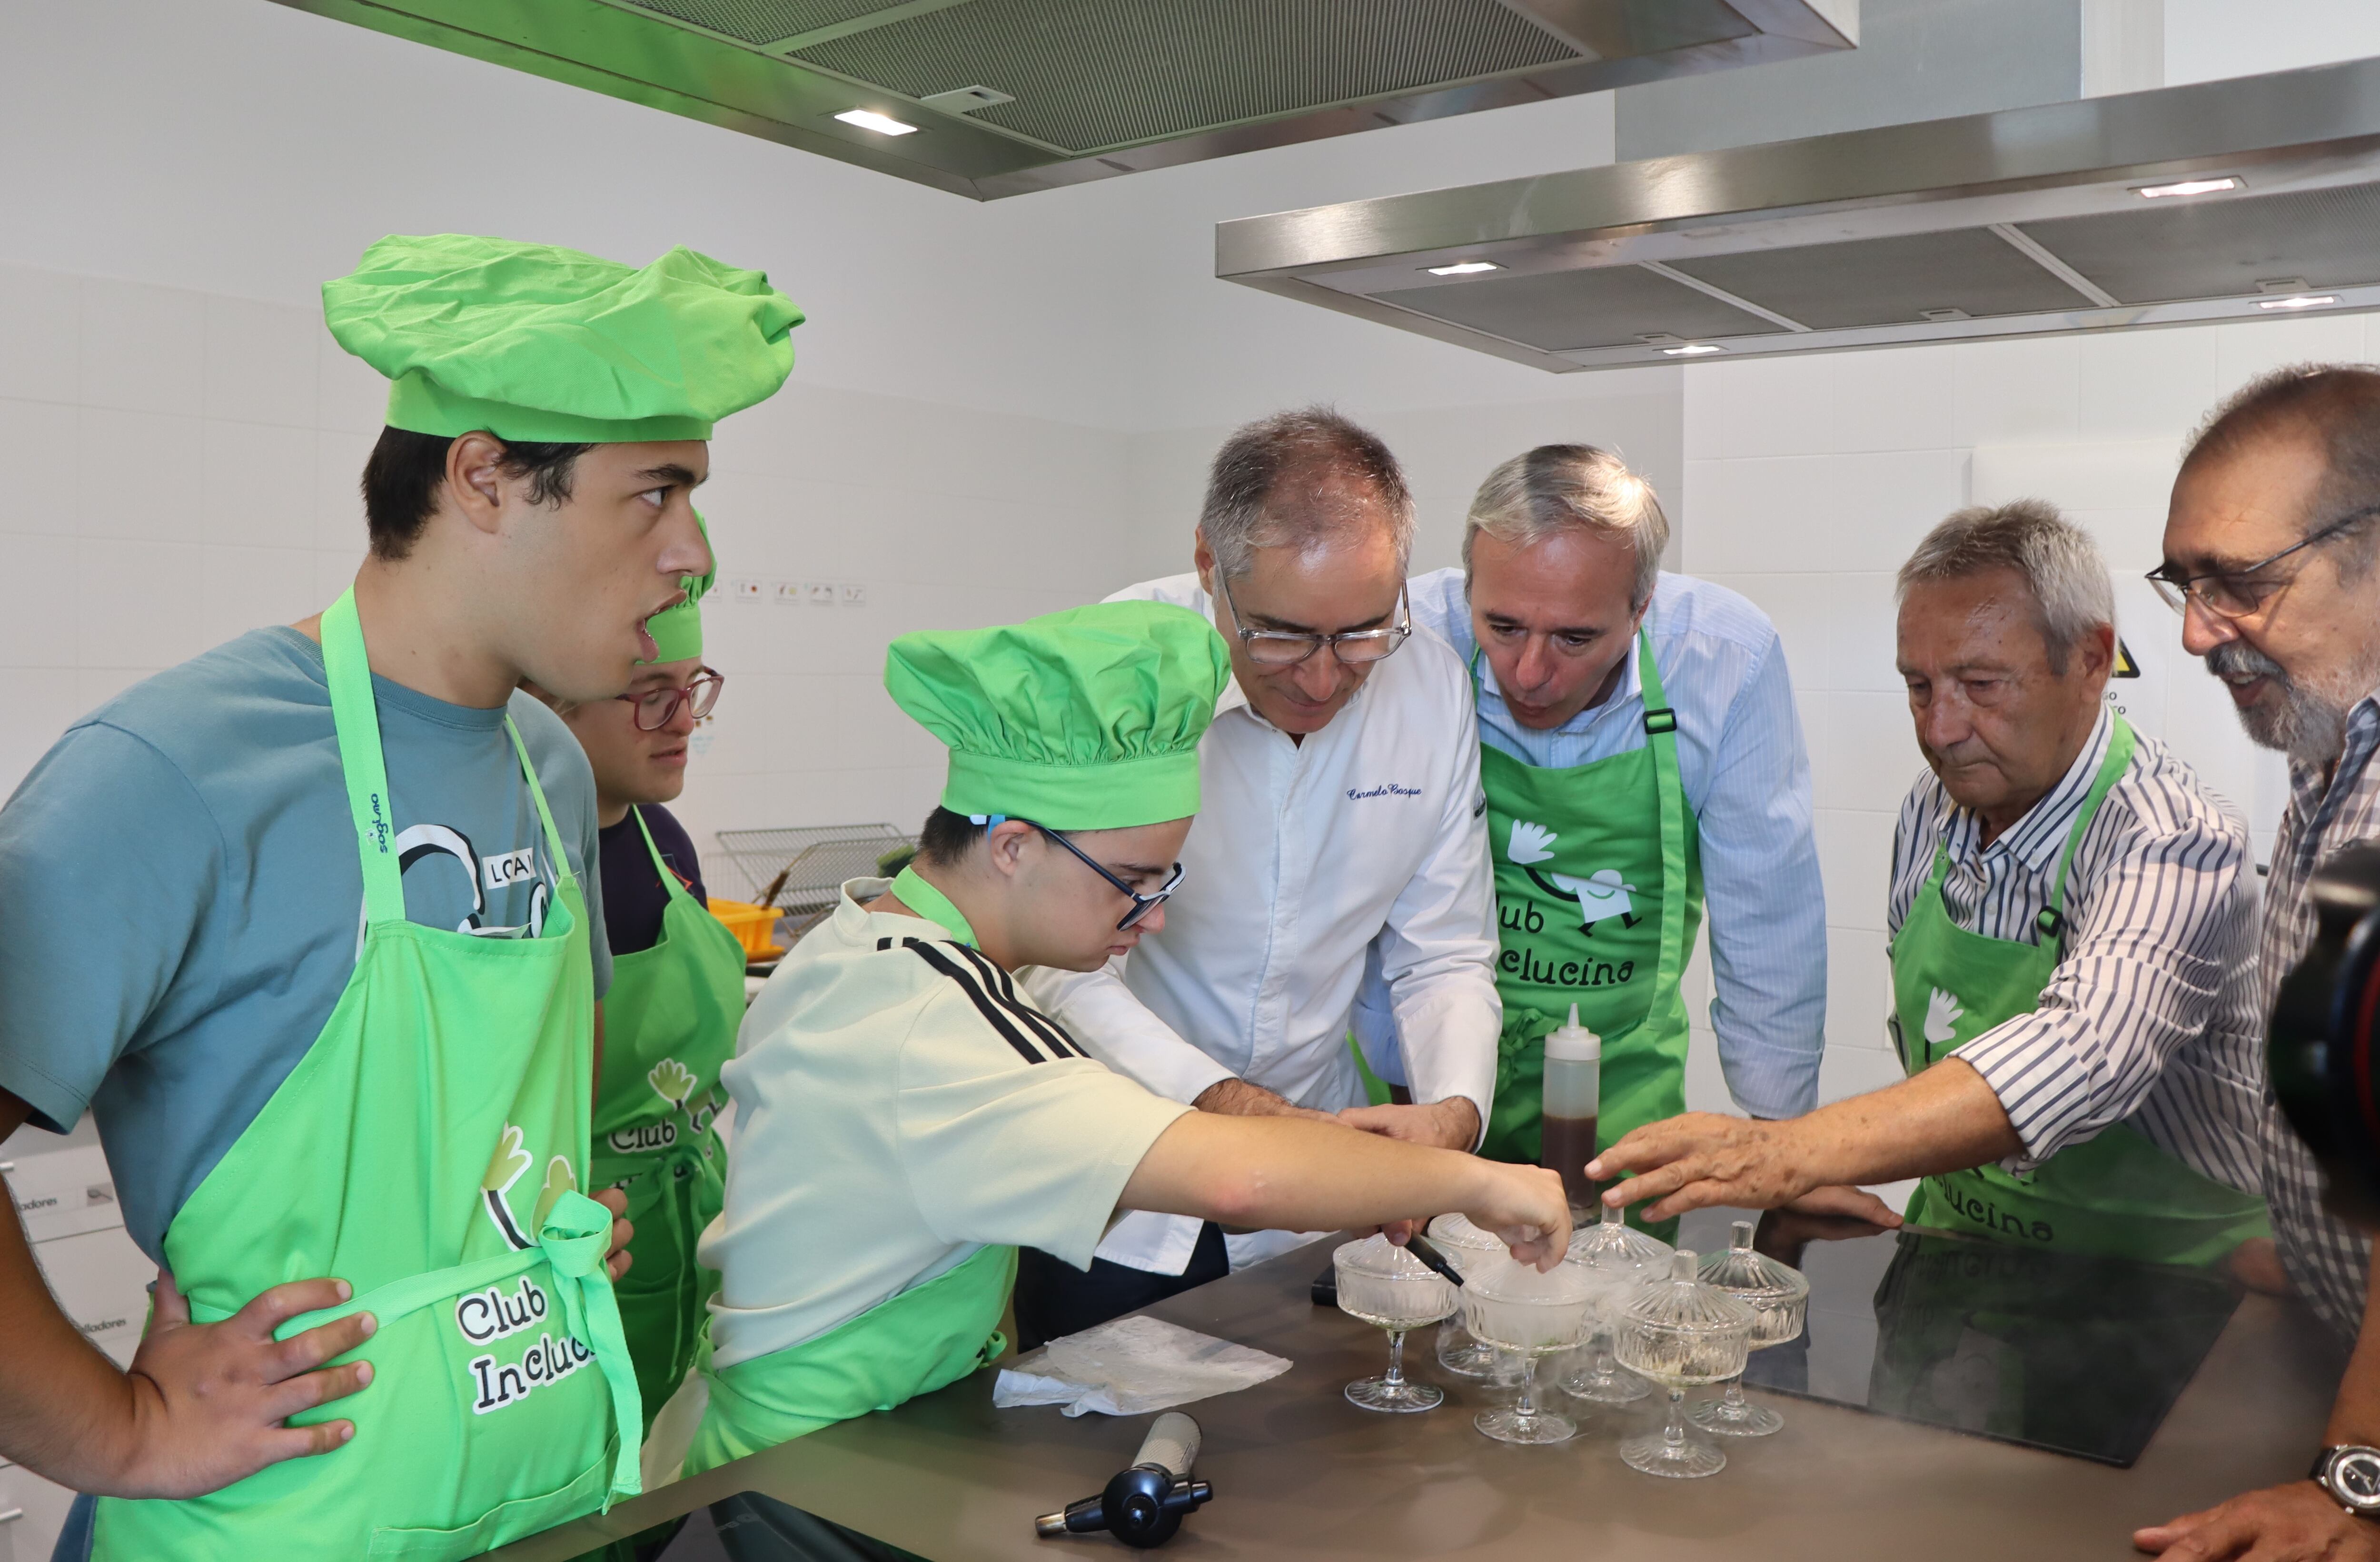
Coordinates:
<point>572,1241</point>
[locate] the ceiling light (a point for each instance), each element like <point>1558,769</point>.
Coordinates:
<point>1463,268</point>
<point>1691,349</point>
<point>2186,187</point>
<point>2303,301</point>
<point>869,119</point>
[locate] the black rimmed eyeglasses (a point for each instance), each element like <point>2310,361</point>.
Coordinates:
<point>2234,593</point>
<point>1141,904</point>
<point>1287,648</point>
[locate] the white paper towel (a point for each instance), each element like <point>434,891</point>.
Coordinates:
<point>1130,1367</point>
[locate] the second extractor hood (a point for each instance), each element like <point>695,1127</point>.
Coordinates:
<point>2224,199</point>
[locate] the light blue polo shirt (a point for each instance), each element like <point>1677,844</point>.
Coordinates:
<point>180,896</point>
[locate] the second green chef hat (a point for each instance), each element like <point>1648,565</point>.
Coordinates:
<point>677,632</point>
<point>1087,719</point>
<point>543,345</point>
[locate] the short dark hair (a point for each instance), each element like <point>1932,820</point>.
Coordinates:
<point>948,837</point>
<point>403,476</point>
<point>2333,405</point>
<point>1255,500</point>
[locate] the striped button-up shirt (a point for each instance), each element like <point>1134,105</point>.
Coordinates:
<point>2327,1259</point>
<point>2152,1015</point>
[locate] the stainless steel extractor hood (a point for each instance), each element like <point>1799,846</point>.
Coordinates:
<point>1004,96</point>
<point>2226,199</point>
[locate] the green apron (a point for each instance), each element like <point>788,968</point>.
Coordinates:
<point>2116,1195</point>
<point>669,1023</point>
<point>425,1150</point>
<point>1594,910</point>
<point>927,1337</point>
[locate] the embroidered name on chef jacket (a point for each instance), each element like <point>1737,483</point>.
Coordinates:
<point>1384,789</point>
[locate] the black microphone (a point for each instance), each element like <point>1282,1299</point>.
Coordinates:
<point>1142,1505</point>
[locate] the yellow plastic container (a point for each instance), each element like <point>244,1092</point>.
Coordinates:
<point>752,926</point>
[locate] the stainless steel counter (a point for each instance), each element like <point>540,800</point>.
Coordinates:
<point>1300,1472</point>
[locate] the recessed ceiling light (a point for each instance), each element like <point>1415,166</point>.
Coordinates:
<point>869,119</point>
<point>1463,268</point>
<point>2303,301</point>
<point>2186,187</point>
<point>1692,349</point>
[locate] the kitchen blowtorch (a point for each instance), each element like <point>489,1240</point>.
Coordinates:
<point>1143,1506</point>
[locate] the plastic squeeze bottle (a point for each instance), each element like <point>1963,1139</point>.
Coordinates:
<point>1573,1087</point>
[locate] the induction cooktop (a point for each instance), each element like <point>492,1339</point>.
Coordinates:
<point>2079,1356</point>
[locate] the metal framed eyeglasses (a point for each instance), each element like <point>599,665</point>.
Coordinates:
<point>2236,593</point>
<point>1284,647</point>
<point>1141,904</point>
<point>656,707</point>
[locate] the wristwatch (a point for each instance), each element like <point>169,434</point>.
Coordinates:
<point>2351,1473</point>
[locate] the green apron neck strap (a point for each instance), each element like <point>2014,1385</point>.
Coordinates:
<point>933,905</point>
<point>346,668</point>
<point>2121,744</point>
<point>562,874</point>
<point>1661,736</point>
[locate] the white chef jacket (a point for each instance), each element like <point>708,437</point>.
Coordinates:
<point>1302,854</point>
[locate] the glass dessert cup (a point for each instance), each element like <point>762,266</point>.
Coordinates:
<point>1389,1289</point>
<point>1779,1296</point>
<point>1618,1256</point>
<point>1680,1333</point>
<point>1468,1248</point>
<point>1527,1315</point>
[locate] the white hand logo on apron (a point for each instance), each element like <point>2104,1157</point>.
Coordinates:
<point>1942,1012</point>
<point>505,1168</point>
<point>1600,897</point>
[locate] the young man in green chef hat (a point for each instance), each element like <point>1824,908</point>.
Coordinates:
<point>906,1118</point>
<point>326,974</point>
<point>675,999</point>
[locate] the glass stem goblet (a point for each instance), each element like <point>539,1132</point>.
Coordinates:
<point>1392,1391</point>
<point>1605,1383</point>
<point>1732,1415</point>
<point>1672,1453</point>
<point>1523,1422</point>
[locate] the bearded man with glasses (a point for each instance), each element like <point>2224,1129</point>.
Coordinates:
<point>1343,806</point>
<point>2272,556</point>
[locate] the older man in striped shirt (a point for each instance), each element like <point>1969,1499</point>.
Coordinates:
<point>2071,913</point>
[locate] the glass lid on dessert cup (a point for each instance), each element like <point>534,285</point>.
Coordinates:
<point>1466,1247</point>
<point>1779,1296</point>
<point>1514,1308</point>
<point>1389,1289</point>
<point>1679,1331</point>
<point>1619,1256</point>
<point>1613,1246</point>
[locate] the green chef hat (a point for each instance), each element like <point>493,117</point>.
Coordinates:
<point>537,344</point>
<point>1087,719</point>
<point>677,632</point>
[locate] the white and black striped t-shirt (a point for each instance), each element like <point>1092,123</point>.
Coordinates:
<point>2327,1260</point>
<point>2153,1015</point>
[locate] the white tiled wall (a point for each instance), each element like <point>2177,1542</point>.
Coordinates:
<point>1807,482</point>
<point>184,469</point>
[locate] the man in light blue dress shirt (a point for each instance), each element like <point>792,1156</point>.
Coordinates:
<point>1560,608</point>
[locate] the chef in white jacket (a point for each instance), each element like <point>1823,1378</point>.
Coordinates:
<point>1342,806</point>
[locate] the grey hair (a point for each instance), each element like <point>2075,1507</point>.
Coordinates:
<point>1268,488</point>
<point>1558,488</point>
<point>2060,566</point>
